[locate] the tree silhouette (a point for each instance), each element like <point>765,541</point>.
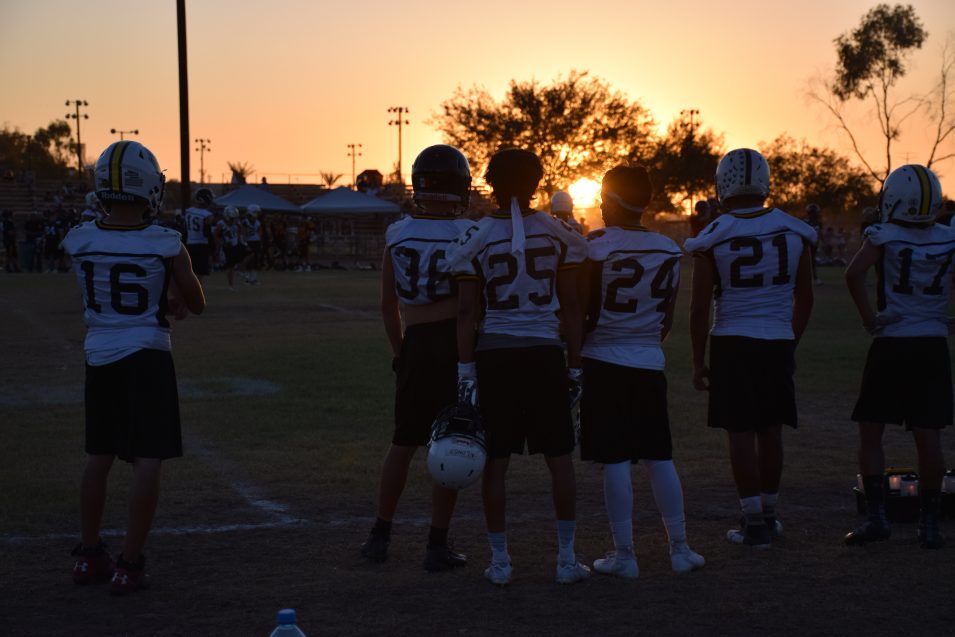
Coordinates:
<point>241,171</point>
<point>577,125</point>
<point>329,179</point>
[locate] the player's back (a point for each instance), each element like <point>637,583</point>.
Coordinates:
<point>195,225</point>
<point>755,253</point>
<point>638,271</point>
<point>520,290</point>
<point>124,273</point>
<point>914,276</point>
<point>417,246</point>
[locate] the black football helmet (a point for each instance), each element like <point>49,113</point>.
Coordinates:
<point>203,197</point>
<point>441,173</point>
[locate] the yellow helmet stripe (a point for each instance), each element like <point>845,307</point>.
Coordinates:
<point>115,161</point>
<point>925,200</point>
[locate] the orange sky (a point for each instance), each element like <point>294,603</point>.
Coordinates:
<point>285,85</point>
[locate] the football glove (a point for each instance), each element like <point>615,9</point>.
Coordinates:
<point>467,384</point>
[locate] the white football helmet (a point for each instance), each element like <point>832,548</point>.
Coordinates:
<point>254,210</point>
<point>128,171</point>
<point>743,171</point>
<point>561,201</point>
<point>910,193</point>
<point>457,452</point>
<point>231,212</point>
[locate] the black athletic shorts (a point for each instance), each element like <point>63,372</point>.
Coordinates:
<point>623,414</point>
<point>427,380</point>
<point>523,396</point>
<point>132,407</point>
<point>199,253</point>
<point>906,381</point>
<point>751,383</point>
<point>234,255</point>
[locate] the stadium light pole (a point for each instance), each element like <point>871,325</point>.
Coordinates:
<point>202,150</point>
<point>122,133</point>
<point>78,117</point>
<point>183,103</point>
<point>352,153</point>
<point>399,121</point>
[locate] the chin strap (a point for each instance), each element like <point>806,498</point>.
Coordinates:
<point>517,228</point>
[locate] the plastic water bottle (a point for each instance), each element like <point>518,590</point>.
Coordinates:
<point>287,627</point>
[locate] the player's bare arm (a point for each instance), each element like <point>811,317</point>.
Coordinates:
<point>803,293</point>
<point>389,304</point>
<point>468,309</point>
<point>187,285</point>
<point>865,258</point>
<point>700,300</point>
<point>570,316</point>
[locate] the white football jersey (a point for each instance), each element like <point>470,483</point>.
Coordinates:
<point>756,254</point>
<point>417,245</point>
<point>253,229</point>
<point>195,224</point>
<point>124,274</point>
<point>520,290</point>
<point>229,232</point>
<point>638,274</point>
<point>914,277</point>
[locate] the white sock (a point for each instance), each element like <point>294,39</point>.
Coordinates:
<point>752,508</point>
<point>668,495</point>
<point>498,542</point>
<point>618,497</point>
<point>566,530</point>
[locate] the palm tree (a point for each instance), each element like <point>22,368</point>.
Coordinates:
<point>329,178</point>
<point>240,171</point>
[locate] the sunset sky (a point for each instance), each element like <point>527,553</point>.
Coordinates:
<point>286,84</point>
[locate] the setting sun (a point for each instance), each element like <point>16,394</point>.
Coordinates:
<point>584,192</point>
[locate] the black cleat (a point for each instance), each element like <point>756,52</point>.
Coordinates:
<point>442,558</point>
<point>375,548</point>
<point>929,535</point>
<point>876,530</point>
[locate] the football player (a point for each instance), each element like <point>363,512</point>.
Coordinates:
<point>630,283</point>
<point>754,265</point>
<point>253,238</point>
<point>562,207</point>
<point>198,226</point>
<point>907,378</point>
<point>132,407</point>
<point>418,291</point>
<point>231,236</point>
<point>521,265</point>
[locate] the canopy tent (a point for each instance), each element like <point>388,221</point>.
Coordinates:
<point>344,200</point>
<point>245,196</point>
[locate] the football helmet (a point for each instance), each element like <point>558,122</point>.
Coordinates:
<point>441,173</point>
<point>231,212</point>
<point>742,172</point>
<point>561,202</point>
<point>203,197</point>
<point>910,193</point>
<point>128,171</point>
<point>457,451</point>
<point>254,210</point>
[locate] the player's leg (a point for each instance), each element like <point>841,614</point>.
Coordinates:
<point>744,461</point>
<point>872,468</point>
<point>394,476</point>
<point>494,498</point>
<point>618,498</point>
<point>668,496</point>
<point>93,564</point>
<point>130,574</point>
<point>769,447</point>
<point>931,469</point>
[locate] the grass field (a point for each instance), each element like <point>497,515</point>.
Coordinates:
<point>286,406</point>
